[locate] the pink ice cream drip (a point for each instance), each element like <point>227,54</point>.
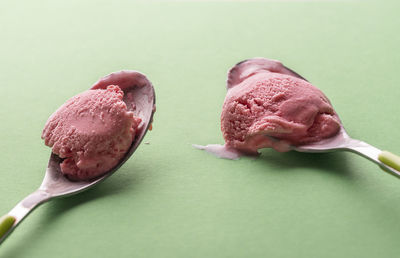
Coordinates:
<point>92,131</point>
<point>270,106</point>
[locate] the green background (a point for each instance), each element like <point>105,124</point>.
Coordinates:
<point>169,199</point>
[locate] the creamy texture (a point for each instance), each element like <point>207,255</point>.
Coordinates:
<point>92,131</point>
<point>273,107</point>
<point>221,151</point>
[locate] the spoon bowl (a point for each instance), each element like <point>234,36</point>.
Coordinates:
<point>139,97</point>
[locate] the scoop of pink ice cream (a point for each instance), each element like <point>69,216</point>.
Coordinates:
<point>92,131</point>
<point>266,100</point>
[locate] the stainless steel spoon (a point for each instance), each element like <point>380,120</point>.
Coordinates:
<point>389,162</point>
<point>139,98</point>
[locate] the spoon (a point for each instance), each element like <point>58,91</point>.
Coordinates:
<point>388,161</point>
<point>139,97</point>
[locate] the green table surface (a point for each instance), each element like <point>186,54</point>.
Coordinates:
<point>169,199</point>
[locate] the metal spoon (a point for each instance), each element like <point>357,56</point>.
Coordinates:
<point>139,97</point>
<point>389,162</point>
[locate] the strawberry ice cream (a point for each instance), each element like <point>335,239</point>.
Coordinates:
<point>268,105</point>
<point>92,131</point>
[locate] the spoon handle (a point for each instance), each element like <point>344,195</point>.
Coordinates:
<point>388,161</point>
<point>11,220</point>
